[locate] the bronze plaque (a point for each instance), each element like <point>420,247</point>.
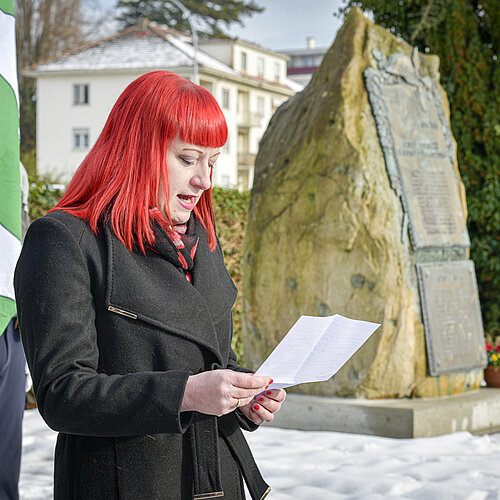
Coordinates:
<point>452,318</point>
<point>419,153</point>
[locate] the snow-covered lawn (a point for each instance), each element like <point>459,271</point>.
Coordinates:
<point>330,465</point>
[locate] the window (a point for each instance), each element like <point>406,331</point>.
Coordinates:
<point>260,106</point>
<point>225,98</point>
<point>243,61</point>
<point>260,66</point>
<point>81,139</point>
<point>307,61</point>
<point>81,93</point>
<point>277,72</point>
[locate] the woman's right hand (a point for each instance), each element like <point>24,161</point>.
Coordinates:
<point>217,392</point>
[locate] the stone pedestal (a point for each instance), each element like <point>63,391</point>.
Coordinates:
<point>477,411</point>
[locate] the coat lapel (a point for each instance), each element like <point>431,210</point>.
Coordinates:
<point>151,289</point>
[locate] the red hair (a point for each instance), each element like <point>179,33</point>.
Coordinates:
<point>121,175</point>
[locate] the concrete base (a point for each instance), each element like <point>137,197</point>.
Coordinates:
<point>476,411</point>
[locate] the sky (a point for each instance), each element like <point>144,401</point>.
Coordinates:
<point>285,24</point>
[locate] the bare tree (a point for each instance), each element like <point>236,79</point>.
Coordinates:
<point>45,29</point>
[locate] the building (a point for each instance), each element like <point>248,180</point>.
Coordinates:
<point>304,62</point>
<point>76,91</point>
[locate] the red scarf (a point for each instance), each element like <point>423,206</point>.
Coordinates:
<point>180,238</point>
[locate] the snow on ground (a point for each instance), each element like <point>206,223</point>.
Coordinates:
<point>329,465</point>
<point>37,458</point>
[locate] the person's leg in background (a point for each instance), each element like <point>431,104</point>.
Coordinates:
<point>12,403</point>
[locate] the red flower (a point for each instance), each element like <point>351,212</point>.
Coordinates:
<point>489,347</point>
<point>497,348</point>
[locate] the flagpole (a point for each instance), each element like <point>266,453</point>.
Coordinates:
<point>189,15</point>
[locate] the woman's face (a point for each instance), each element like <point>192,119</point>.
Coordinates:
<point>189,169</point>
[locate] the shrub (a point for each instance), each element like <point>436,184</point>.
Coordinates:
<point>231,208</point>
<point>43,196</point>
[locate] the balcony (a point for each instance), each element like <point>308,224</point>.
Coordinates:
<point>249,119</point>
<point>246,159</point>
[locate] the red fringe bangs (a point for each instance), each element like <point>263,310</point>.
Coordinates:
<point>200,119</point>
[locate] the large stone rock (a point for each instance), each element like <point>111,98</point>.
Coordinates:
<point>324,229</point>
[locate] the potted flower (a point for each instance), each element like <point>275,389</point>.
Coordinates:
<point>492,371</point>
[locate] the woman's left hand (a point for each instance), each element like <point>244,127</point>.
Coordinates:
<point>264,406</point>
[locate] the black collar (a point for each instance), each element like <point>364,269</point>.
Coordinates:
<point>149,288</point>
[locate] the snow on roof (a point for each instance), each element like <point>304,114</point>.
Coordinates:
<point>142,48</point>
<point>133,50</point>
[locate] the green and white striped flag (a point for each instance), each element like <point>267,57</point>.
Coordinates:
<point>10,188</point>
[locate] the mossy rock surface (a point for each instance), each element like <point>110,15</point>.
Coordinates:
<point>324,229</point>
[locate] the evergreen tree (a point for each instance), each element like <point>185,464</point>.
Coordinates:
<point>211,16</point>
<point>465,35</point>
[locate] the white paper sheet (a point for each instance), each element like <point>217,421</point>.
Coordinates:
<point>314,349</point>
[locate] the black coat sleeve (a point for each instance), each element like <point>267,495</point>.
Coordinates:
<point>57,319</point>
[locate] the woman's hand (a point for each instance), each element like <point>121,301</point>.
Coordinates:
<point>219,392</point>
<point>264,406</point>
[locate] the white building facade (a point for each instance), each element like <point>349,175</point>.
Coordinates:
<point>76,92</point>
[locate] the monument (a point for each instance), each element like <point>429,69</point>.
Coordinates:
<point>358,209</point>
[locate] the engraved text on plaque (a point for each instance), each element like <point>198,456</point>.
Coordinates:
<point>452,318</point>
<point>418,150</point>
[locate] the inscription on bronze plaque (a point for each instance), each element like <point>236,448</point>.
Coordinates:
<point>419,156</point>
<point>452,317</point>
<point>418,150</point>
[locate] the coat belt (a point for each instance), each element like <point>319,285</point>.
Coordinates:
<point>238,445</point>
<point>205,451</point>
<point>206,470</point>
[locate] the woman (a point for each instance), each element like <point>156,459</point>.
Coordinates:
<point>125,312</point>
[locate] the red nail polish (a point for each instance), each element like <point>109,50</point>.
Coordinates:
<point>268,393</point>
<point>256,407</point>
<point>271,381</point>
<point>260,399</point>
<point>266,387</point>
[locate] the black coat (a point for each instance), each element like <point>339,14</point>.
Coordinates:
<point>111,338</point>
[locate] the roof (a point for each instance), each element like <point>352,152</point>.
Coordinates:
<point>147,47</point>
<point>135,48</point>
